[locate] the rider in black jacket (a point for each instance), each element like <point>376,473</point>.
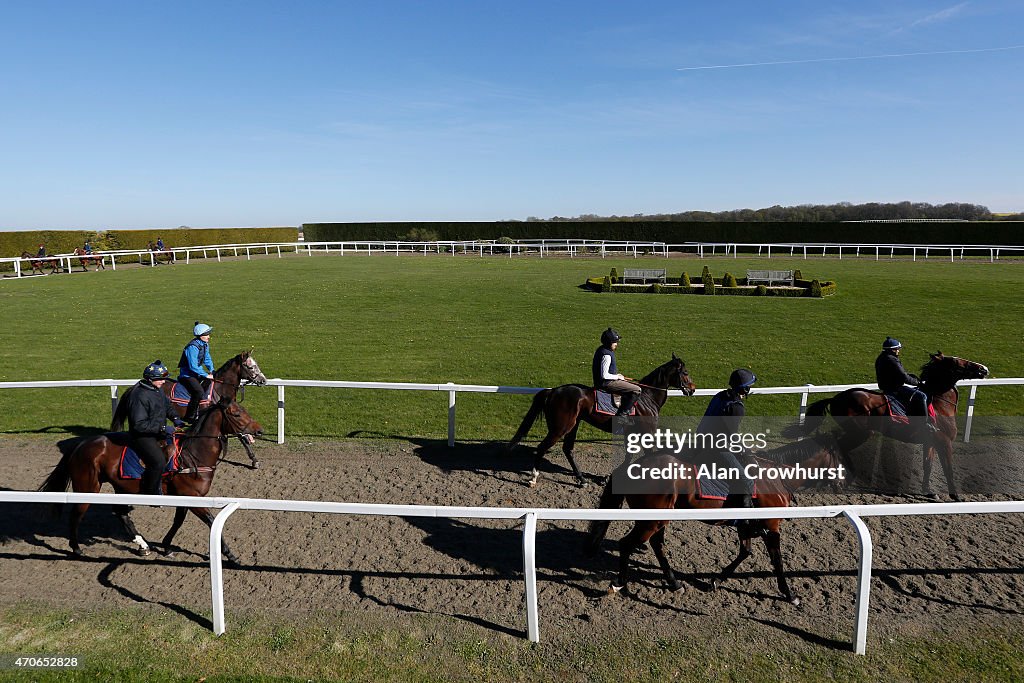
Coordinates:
<point>895,381</point>
<point>148,412</point>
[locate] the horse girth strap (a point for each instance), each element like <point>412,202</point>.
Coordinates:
<point>195,470</point>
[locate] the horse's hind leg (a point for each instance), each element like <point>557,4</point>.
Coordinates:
<point>945,453</point>
<point>567,446</point>
<point>554,434</point>
<point>639,535</point>
<point>658,545</point>
<point>728,571</point>
<point>77,512</point>
<point>179,518</point>
<point>773,541</point>
<point>123,513</point>
<point>208,517</point>
<point>927,460</point>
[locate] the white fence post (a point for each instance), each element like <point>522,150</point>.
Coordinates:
<point>530,575</point>
<point>860,628</point>
<point>803,402</point>
<point>113,399</point>
<point>280,413</point>
<point>216,566</point>
<point>970,413</point>
<point>451,416</point>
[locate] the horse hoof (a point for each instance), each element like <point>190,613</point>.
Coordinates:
<point>532,484</point>
<point>795,602</point>
<point>615,590</point>
<point>255,464</point>
<point>930,495</point>
<point>676,588</point>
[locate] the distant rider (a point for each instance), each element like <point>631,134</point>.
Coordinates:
<point>896,382</point>
<point>148,412</point>
<point>722,419</point>
<point>195,368</point>
<point>606,373</point>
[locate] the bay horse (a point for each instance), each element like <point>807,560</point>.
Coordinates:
<point>85,258</point>
<point>861,412</point>
<point>564,407</point>
<point>96,460</point>
<point>39,263</point>
<point>819,453</point>
<point>243,368</point>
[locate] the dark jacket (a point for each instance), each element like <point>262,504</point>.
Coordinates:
<point>890,373</point>
<point>599,355</point>
<point>724,414</point>
<point>149,409</point>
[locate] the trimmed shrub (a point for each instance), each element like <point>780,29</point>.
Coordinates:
<point>797,274</point>
<point>705,273</point>
<point>728,280</point>
<point>606,286</point>
<point>684,280</point>
<point>709,282</point>
<point>615,275</point>
<point>655,288</point>
<point>815,289</point>
<point>761,290</point>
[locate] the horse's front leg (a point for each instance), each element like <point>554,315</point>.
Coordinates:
<point>123,513</point>
<point>542,448</point>
<point>773,541</point>
<point>927,459</point>
<point>247,440</point>
<point>945,451</point>
<point>744,553</point>
<point>207,516</point>
<point>179,517</point>
<point>658,545</point>
<point>641,531</point>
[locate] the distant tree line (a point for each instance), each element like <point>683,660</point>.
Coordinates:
<point>814,213</point>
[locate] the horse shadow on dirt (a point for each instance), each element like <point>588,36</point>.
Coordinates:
<point>487,458</point>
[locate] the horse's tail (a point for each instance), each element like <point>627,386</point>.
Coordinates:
<point>539,399</point>
<point>599,527</point>
<point>60,477</point>
<point>121,411</point>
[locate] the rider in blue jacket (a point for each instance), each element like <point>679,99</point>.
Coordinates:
<point>722,419</point>
<point>196,368</point>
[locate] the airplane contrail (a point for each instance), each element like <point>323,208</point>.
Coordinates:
<point>849,59</point>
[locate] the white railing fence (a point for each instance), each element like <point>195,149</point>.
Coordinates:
<point>853,513</point>
<point>540,247</point>
<point>452,389</point>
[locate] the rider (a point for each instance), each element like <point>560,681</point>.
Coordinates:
<point>42,251</point>
<point>896,382</point>
<point>148,410</point>
<point>196,368</point>
<point>606,374</point>
<point>87,248</point>
<point>722,419</point>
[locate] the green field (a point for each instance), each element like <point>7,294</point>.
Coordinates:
<point>496,321</point>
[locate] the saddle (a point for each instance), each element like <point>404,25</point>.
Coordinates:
<point>608,404</point>
<point>897,412</point>
<point>131,466</point>
<point>709,487</point>
<point>180,395</point>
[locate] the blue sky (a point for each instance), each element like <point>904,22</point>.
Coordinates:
<point>144,114</point>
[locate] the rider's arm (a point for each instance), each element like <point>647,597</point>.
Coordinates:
<point>208,362</point>
<point>606,364</point>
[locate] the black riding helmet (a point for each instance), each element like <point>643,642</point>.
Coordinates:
<point>609,337</point>
<point>155,370</point>
<point>741,379</point>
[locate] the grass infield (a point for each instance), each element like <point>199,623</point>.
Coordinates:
<point>465,319</point>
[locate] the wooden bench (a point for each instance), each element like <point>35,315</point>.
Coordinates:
<point>644,276</point>
<point>770,277</point>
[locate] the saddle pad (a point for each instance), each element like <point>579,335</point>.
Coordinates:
<point>712,488</point>
<point>131,466</point>
<point>180,395</point>
<point>605,404</point>
<point>897,411</point>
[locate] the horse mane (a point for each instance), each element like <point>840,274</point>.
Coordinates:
<point>233,359</point>
<point>797,452</point>
<point>653,375</point>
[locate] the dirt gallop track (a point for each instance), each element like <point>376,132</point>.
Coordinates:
<point>928,570</point>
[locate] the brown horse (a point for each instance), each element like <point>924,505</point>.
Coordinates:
<point>861,412</point>
<point>96,460</point>
<point>243,368</point>
<point>565,406</point>
<point>85,258</point>
<point>815,454</point>
<point>39,264</point>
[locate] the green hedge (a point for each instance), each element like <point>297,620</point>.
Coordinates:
<point>675,232</point>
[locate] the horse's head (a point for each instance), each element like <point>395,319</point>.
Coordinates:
<point>250,369</point>
<point>679,376</point>
<point>237,419</point>
<point>951,368</point>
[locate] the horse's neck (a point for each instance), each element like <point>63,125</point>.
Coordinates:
<point>206,442</point>
<point>655,387</point>
<point>937,386</point>
<point>227,380</point>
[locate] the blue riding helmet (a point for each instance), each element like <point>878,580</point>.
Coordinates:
<point>201,329</point>
<point>891,344</point>
<point>609,337</point>
<point>741,378</point>
<point>155,370</point>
